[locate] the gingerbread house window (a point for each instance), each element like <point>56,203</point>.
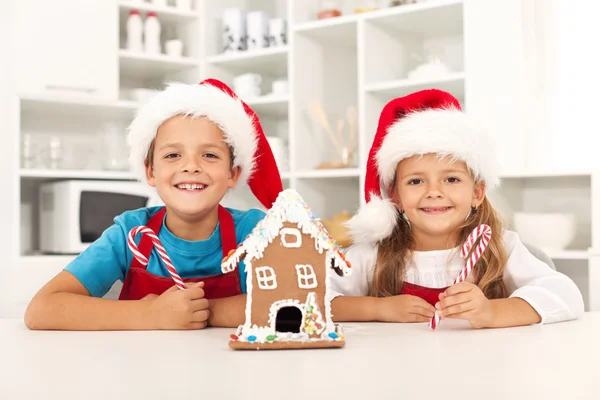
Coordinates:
<point>266,278</point>
<point>307,279</point>
<point>291,237</point>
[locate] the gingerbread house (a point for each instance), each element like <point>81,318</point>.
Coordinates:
<point>289,259</point>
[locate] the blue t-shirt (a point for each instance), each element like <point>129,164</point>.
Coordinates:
<point>109,257</point>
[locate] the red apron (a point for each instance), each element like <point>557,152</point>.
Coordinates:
<point>430,295</point>
<point>139,282</point>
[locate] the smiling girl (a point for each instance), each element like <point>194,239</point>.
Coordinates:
<point>427,176</point>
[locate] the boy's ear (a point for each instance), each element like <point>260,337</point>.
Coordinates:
<point>234,177</point>
<point>478,194</point>
<point>150,174</point>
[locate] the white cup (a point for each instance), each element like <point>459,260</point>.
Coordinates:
<point>280,87</point>
<point>277,32</point>
<point>174,48</point>
<point>234,30</point>
<point>257,30</point>
<point>247,86</point>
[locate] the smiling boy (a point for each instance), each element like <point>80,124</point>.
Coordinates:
<point>192,143</point>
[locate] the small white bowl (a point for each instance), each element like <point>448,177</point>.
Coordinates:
<point>546,231</point>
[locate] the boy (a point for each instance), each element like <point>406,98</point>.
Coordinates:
<point>192,143</point>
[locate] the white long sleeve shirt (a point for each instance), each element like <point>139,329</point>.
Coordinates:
<point>552,294</point>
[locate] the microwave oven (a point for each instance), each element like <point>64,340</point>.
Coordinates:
<point>74,213</point>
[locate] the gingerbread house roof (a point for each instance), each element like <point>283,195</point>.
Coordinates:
<point>289,207</point>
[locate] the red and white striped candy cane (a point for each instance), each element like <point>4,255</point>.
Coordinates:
<point>159,248</point>
<point>486,234</point>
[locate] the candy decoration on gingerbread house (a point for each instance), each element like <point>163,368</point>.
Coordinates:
<point>289,259</point>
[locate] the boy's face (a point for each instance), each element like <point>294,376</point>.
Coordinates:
<point>191,166</point>
<point>436,195</point>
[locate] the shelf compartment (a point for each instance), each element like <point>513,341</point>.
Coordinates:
<point>328,173</point>
<point>270,106</point>
<point>569,255</point>
<point>328,197</point>
<point>35,105</point>
<point>340,30</point>
<point>268,61</point>
<point>453,83</point>
<point>435,18</point>
<point>144,66</point>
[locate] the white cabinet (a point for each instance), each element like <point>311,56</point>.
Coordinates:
<point>67,47</point>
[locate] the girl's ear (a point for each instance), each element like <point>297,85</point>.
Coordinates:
<point>396,199</point>
<point>478,194</point>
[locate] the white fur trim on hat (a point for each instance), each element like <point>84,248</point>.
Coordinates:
<point>446,132</point>
<point>374,221</point>
<point>197,100</point>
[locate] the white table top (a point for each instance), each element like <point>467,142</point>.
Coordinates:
<point>380,361</point>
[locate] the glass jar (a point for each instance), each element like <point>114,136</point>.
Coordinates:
<point>114,140</point>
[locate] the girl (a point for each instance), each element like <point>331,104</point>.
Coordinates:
<point>426,181</point>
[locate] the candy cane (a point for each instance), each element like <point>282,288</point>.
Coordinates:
<point>486,233</point>
<point>159,248</point>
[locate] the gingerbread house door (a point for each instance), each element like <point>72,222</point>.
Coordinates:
<point>288,319</point>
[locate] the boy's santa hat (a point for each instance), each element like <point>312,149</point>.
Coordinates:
<point>241,128</point>
<point>429,121</point>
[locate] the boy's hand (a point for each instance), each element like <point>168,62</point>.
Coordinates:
<point>181,309</point>
<point>466,301</point>
<point>403,308</point>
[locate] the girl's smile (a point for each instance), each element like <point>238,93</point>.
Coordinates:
<point>436,210</point>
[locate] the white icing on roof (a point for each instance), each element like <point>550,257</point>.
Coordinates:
<point>289,207</point>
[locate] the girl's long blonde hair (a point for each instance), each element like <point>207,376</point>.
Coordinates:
<point>488,272</point>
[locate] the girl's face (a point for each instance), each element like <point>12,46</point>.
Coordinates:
<point>436,195</point>
<point>191,166</point>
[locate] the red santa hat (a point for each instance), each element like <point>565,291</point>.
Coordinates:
<point>241,128</point>
<point>429,121</point>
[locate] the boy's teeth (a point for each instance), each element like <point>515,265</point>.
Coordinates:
<point>191,186</point>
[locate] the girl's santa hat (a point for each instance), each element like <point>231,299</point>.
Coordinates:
<point>241,128</point>
<point>429,121</point>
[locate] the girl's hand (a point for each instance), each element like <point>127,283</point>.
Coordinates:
<point>466,301</point>
<point>403,308</point>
